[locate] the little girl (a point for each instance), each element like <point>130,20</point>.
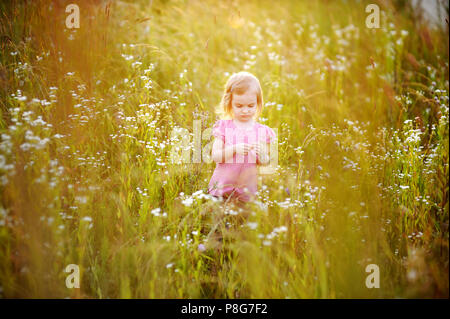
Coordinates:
<point>241,143</point>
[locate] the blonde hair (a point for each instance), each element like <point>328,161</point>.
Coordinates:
<point>239,83</point>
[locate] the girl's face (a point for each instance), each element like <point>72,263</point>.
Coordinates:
<point>244,106</point>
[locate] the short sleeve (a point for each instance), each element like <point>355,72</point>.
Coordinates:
<point>270,135</point>
<point>218,130</point>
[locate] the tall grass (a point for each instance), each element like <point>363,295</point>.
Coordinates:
<point>87,116</point>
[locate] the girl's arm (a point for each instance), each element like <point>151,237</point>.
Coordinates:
<point>262,153</point>
<point>221,153</point>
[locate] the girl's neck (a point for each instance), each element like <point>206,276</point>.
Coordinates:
<point>243,125</point>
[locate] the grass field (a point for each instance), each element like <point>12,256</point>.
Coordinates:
<point>87,117</point>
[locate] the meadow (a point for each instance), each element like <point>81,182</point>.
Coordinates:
<point>87,122</point>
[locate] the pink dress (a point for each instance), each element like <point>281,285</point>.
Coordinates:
<point>238,176</point>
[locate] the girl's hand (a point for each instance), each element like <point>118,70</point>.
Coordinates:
<point>243,148</point>
<point>261,152</point>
